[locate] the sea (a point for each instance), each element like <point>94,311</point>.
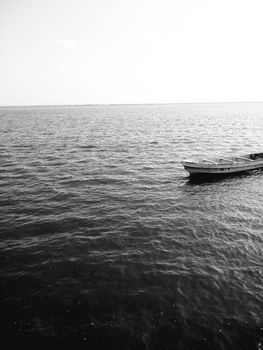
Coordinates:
<point>105,242</point>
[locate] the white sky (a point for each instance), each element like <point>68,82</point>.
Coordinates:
<point>130,51</point>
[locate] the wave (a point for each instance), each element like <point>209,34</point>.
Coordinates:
<point>87,147</point>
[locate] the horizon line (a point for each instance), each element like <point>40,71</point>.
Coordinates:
<point>126,104</point>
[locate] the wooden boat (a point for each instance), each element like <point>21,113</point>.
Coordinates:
<point>224,166</point>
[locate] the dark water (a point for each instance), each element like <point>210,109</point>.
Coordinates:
<point>106,244</point>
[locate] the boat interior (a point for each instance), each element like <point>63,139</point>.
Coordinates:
<point>234,160</point>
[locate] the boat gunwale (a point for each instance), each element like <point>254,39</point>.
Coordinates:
<point>226,164</point>
<point>222,165</point>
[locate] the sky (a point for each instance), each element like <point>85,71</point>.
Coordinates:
<point>130,51</point>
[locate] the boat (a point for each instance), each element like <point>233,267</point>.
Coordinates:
<point>223,166</point>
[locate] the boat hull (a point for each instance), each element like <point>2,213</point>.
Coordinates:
<point>206,175</point>
<point>201,170</point>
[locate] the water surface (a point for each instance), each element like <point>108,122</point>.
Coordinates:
<point>106,243</point>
